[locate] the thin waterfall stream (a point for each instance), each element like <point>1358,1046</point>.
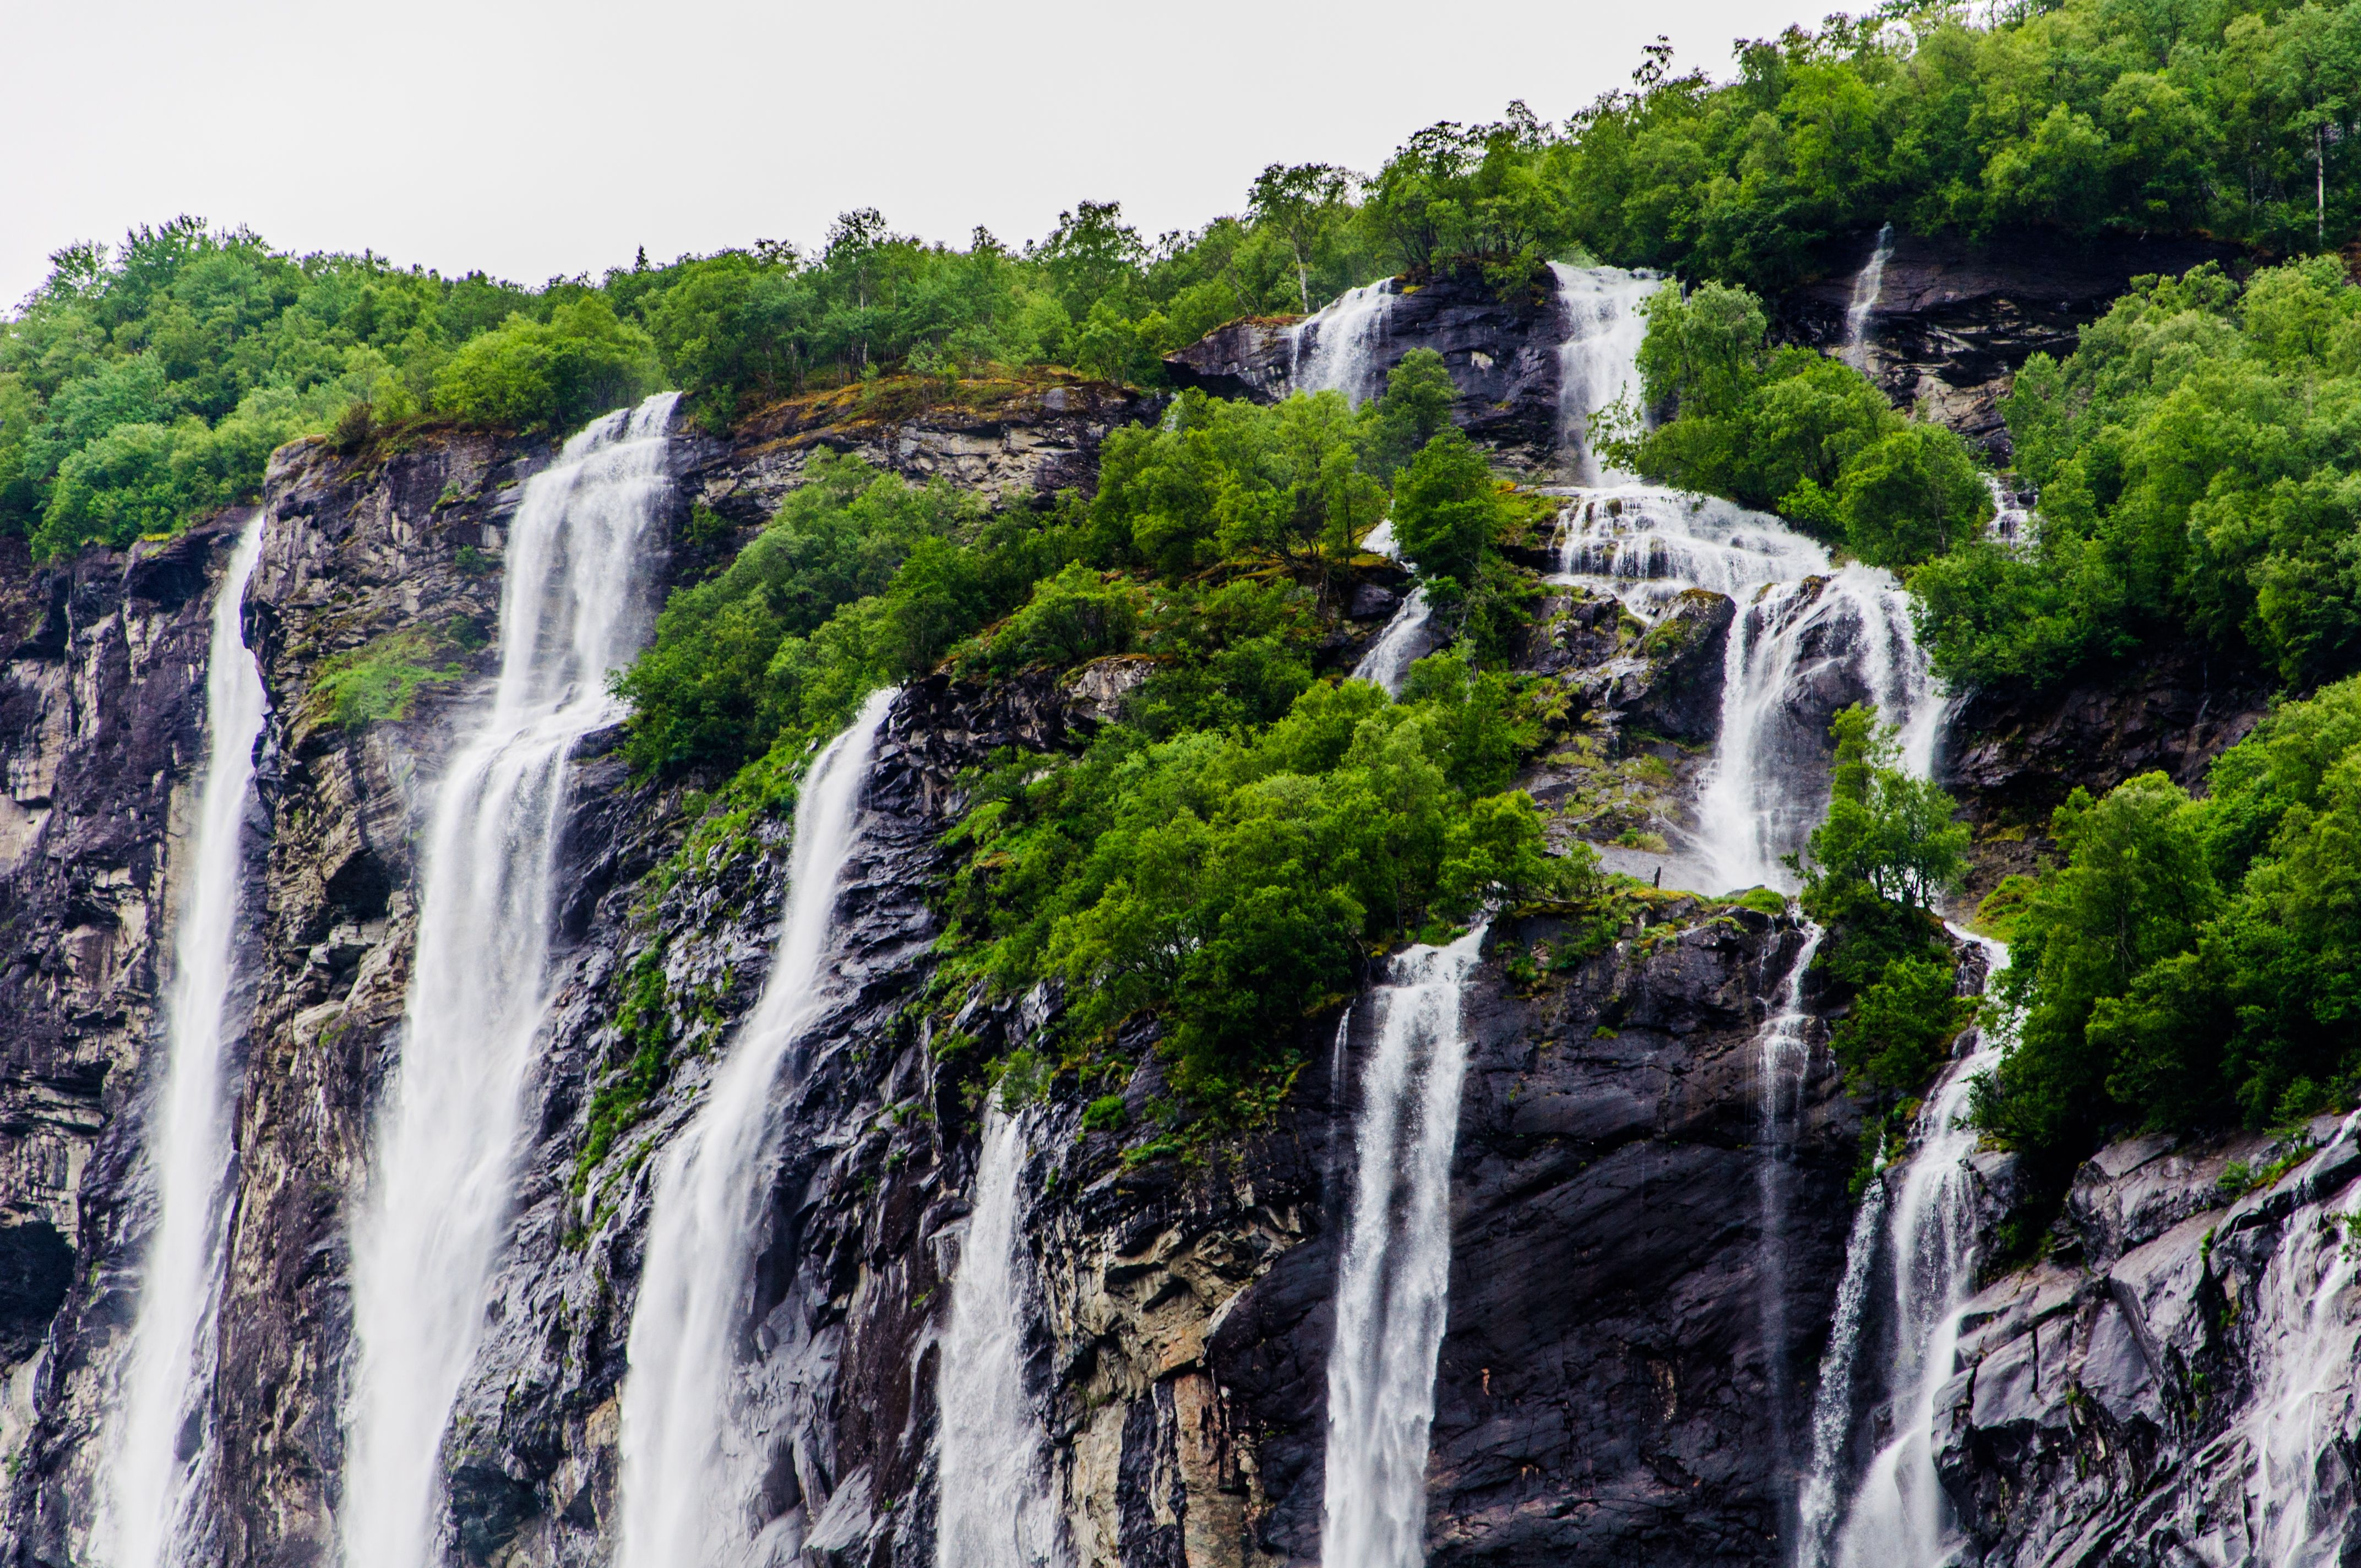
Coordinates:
<point>1598,361</point>
<point>1394,1279</point>
<point>687,1474</point>
<point>428,1232</point>
<point>145,1483</point>
<point>1921,1227</point>
<point>1867,285</point>
<point>997,1508</point>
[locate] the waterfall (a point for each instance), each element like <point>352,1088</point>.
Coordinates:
<point>1405,640</point>
<point>1865,290</point>
<point>2298,1428</point>
<point>1805,631</point>
<point>996,1509</point>
<point>1395,1275</point>
<point>1927,1233</point>
<point>1764,791</point>
<point>1598,361</point>
<point>1783,1062</point>
<point>685,1482</point>
<point>1338,348</point>
<point>145,1484</point>
<point>446,1136</point>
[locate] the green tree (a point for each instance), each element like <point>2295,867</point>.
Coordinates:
<point>1446,508</point>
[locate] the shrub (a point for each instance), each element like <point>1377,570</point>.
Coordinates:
<point>553,374</point>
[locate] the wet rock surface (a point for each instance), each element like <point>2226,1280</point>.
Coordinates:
<point>2119,1402</point>
<point>1953,320</point>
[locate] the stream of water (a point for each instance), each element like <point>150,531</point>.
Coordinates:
<point>1598,361</point>
<point>1866,286</point>
<point>1395,1277</point>
<point>997,1507</point>
<point>688,1472</point>
<point>145,1483</point>
<point>574,608</point>
<point>1340,347</point>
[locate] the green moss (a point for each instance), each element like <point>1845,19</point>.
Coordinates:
<point>378,679</point>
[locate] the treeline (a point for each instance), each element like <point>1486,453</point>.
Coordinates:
<point>143,386</point>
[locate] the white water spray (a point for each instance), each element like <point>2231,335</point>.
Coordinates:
<point>2298,1427</point>
<point>1783,1063</point>
<point>688,1472</point>
<point>1395,1277</point>
<point>1765,789</point>
<point>1598,361</point>
<point>997,1509</point>
<point>438,1198</point>
<point>1804,628</point>
<point>1896,1512</point>
<point>1338,349</point>
<point>1405,640</point>
<point>145,1487</point>
<point>1866,286</point>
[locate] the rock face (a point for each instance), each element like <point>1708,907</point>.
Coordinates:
<point>1501,351</point>
<point>1605,1169</point>
<point>2125,1402</point>
<point>102,710</point>
<point>1952,320</point>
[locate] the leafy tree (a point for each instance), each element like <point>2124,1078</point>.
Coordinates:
<point>531,375</point>
<point>1414,409</point>
<point>1446,507</point>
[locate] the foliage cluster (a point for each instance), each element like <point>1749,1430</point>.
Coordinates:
<point>2195,457</point>
<point>1792,430</point>
<point>1874,868</point>
<point>2191,963</point>
<point>1229,853</point>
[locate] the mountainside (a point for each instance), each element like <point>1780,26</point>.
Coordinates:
<point>1663,1232</point>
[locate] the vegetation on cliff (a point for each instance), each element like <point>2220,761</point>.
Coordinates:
<point>2192,962</point>
<point>1227,854</point>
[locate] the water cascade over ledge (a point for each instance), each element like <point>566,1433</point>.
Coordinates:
<point>1394,1279</point>
<point>573,610</point>
<point>1866,286</point>
<point>1598,361</point>
<point>997,1508</point>
<point>145,1483</point>
<point>686,1473</point>
<point>1921,1229</point>
<point>1338,347</point>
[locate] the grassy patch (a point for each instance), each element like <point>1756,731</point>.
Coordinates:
<point>378,679</point>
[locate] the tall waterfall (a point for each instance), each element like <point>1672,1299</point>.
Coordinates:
<point>2299,1427</point>
<point>1866,286</point>
<point>1339,348</point>
<point>145,1483</point>
<point>1924,1234</point>
<point>572,611</point>
<point>686,1479</point>
<point>1598,361</point>
<point>1395,1275</point>
<point>1806,631</point>
<point>997,1509</point>
<point>1783,1065</point>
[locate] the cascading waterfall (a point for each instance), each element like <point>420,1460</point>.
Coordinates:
<point>1802,624</point>
<point>1404,641</point>
<point>1866,286</point>
<point>1395,1277</point>
<point>1783,1062</point>
<point>1926,1235</point>
<point>145,1484</point>
<point>572,612</point>
<point>997,1509</point>
<point>1761,795</point>
<point>1337,348</point>
<point>2299,1427</point>
<point>1598,361</point>
<point>687,1472</point>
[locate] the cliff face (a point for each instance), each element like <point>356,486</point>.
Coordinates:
<point>1606,1383</point>
<point>102,712</point>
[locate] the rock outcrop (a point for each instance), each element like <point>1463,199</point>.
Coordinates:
<point>1501,348</point>
<point>1952,320</point>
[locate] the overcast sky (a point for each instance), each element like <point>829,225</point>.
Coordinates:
<point>541,140</point>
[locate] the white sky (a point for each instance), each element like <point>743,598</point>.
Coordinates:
<point>533,140</point>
